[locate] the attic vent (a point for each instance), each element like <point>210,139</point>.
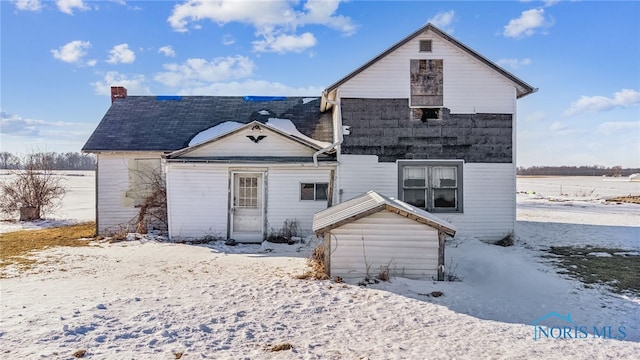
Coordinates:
<point>425,45</point>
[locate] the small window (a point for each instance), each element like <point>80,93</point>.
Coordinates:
<point>424,114</point>
<point>425,45</point>
<point>144,176</point>
<point>314,191</point>
<point>435,186</point>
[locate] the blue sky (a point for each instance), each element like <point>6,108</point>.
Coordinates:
<point>59,59</point>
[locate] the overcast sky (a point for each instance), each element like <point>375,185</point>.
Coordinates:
<point>59,59</point>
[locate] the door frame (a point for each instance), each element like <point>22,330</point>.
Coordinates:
<point>263,200</point>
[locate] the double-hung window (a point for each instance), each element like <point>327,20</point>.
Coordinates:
<point>435,186</point>
<point>314,191</point>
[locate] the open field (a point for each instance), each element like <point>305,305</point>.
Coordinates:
<point>146,299</point>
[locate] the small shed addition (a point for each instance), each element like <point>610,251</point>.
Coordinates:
<point>373,233</point>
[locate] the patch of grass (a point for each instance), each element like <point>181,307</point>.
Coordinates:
<point>14,246</point>
<point>632,199</point>
<point>621,272</point>
<point>281,347</point>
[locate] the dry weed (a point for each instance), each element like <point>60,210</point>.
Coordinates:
<point>280,347</point>
<point>315,266</point>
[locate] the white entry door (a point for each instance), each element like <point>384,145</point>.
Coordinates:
<point>247,207</point>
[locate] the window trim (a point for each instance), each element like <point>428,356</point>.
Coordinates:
<point>315,191</point>
<point>459,164</point>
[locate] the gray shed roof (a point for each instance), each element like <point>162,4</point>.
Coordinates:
<point>370,203</point>
<point>168,123</point>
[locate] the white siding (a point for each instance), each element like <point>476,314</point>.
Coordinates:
<point>408,248</point>
<point>361,173</point>
<point>489,193</point>
<point>489,202</point>
<point>114,208</point>
<point>197,198</point>
<point>283,199</point>
<point>470,86</point>
<point>239,144</point>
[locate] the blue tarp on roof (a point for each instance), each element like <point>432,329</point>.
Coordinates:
<point>265,98</point>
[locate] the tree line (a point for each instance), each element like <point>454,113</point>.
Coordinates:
<point>49,160</point>
<point>596,170</point>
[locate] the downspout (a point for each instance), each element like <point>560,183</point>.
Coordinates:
<point>335,103</point>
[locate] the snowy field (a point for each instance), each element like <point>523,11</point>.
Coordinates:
<point>144,299</point>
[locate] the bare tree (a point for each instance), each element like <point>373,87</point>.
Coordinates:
<point>33,191</point>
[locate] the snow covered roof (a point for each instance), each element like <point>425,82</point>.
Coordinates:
<point>151,123</point>
<point>371,203</point>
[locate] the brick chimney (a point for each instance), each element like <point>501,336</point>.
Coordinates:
<point>118,92</point>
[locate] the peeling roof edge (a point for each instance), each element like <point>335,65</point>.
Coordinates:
<point>188,149</point>
<point>525,90</point>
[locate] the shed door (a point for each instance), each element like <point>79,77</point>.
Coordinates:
<point>247,207</point>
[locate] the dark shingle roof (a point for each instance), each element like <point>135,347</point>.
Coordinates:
<point>154,123</point>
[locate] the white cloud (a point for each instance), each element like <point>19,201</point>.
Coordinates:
<point>610,127</point>
<point>285,43</point>
<point>167,51</point>
<point>514,63</point>
<point>198,72</point>
<point>527,24</point>
<point>67,6</point>
<point>121,54</point>
<point>73,52</point>
<point>557,126</point>
<point>228,39</point>
<point>274,21</point>
<point>16,125</point>
<point>535,116</point>
<point>135,84</point>
<point>29,5</point>
<point>443,20</point>
<point>251,87</point>
<point>591,104</point>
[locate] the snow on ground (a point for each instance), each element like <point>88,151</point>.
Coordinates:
<point>146,299</point>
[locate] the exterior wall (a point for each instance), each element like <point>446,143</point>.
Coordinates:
<point>469,85</point>
<point>488,193</point>
<point>361,173</point>
<point>489,202</point>
<point>283,197</point>
<point>198,197</point>
<point>408,248</point>
<point>386,128</point>
<point>239,144</point>
<point>114,208</point>
<point>197,200</point>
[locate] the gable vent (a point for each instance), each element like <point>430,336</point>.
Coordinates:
<point>425,45</point>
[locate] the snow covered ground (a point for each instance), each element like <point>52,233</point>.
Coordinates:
<point>146,299</point>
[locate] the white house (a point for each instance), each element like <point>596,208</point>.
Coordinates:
<point>429,121</point>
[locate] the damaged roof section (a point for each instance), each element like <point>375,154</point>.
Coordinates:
<point>149,123</point>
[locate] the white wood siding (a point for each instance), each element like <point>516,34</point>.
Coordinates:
<point>283,199</point>
<point>114,208</point>
<point>239,144</point>
<point>198,194</point>
<point>361,173</point>
<point>197,200</point>
<point>408,248</point>
<point>489,202</point>
<point>489,193</point>
<point>470,86</point>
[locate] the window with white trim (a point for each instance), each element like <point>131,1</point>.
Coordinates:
<point>435,186</point>
<point>314,191</point>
